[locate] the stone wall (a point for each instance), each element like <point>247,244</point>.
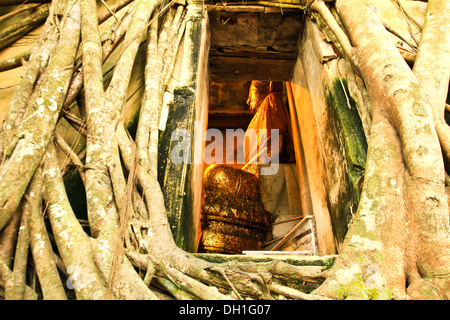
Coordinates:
<point>181,182</point>
<point>332,135</point>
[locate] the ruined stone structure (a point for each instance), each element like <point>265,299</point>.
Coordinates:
<point>224,48</point>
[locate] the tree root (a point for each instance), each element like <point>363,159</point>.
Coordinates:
<point>237,280</point>
<point>222,281</point>
<point>412,186</point>
<point>131,253</point>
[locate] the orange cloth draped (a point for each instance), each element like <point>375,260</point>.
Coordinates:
<point>271,114</point>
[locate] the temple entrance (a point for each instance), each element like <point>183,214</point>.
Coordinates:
<point>311,196</point>
<point>267,216</point>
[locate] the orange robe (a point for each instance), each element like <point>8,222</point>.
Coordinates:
<point>271,114</point>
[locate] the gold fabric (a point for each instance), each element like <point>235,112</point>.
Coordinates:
<point>271,114</point>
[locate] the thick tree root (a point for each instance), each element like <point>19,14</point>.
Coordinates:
<point>398,242</point>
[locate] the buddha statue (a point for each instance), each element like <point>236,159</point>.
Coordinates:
<point>233,216</point>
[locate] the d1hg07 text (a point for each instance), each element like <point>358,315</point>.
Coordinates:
<point>235,309</point>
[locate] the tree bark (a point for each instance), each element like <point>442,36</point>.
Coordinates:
<point>41,247</point>
<point>397,245</point>
<point>104,181</point>
<point>403,133</point>
<point>17,29</point>
<point>74,246</point>
<point>29,143</point>
<point>434,54</point>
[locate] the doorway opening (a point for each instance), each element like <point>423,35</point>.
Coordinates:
<point>246,47</point>
<point>231,218</point>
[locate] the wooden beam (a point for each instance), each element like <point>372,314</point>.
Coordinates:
<point>250,8</point>
<point>229,120</point>
<point>245,68</point>
<point>255,53</point>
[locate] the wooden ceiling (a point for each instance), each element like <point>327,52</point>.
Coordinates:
<point>253,45</point>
